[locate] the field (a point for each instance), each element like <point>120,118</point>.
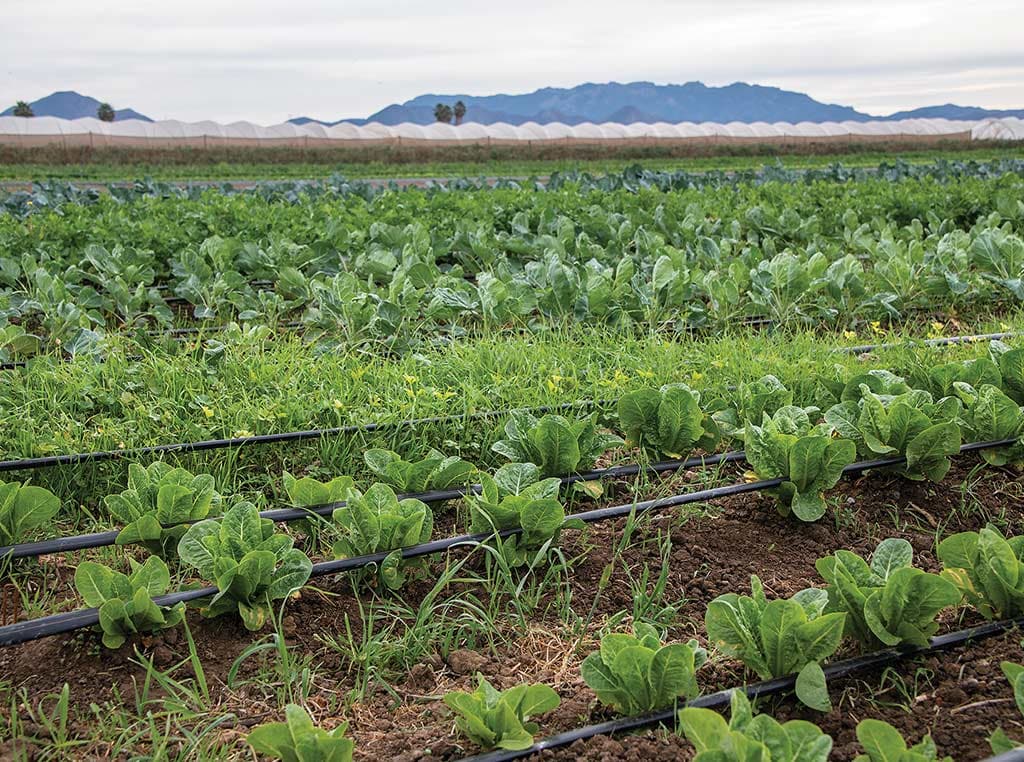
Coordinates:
<point>515,468</point>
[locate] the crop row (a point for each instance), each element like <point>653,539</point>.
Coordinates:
<point>375,275</point>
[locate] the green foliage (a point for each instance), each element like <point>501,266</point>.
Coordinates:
<point>433,472</point>
<point>989,570</point>
<point>666,422</point>
<point>991,416</point>
<point>1011,369</point>
<point>940,380</point>
<point>748,737</point>
<point>779,637</point>
<point>888,602</point>
<point>250,564</point>
<point>555,444</point>
<point>500,719</point>
<point>635,673</point>
<point>158,505</point>
<point>23,508</point>
<point>307,492</point>
<point>515,497</point>
<point>999,741</point>
<point>298,740</point>
<point>751,402</point>
<point>125,601</point>
<point>377,522</point>
<point>787,446</point>
<point>911,425</point>
<point>883,743</point>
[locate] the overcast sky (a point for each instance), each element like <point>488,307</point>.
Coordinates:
<point>269,60</point>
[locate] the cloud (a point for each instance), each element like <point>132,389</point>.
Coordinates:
<point>267,60</point>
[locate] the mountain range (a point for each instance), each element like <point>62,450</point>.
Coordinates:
<point>610,102</point>
<point>68,104</point>
<point>648,102</point>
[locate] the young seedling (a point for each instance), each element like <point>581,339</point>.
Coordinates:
<point>500,719</point>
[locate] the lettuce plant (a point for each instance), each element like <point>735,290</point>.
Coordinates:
<point>22,508</point>
<point>999,741</point>
<point>1011,369</point>
<point>159,504</point>
<point>666,422</point>
<point>989,416</point>
<point>635,673</point>
<point>307,492</point>
<point>748,737</point>
<point>883,743</point>
<point>787,446</point>
<point>886,602</point>
<point>911,425</point>
<point>378,522</point>
<point>779,637</point>
<point>555,444</point>
<point>753,399</point>
<point>500,719</point>
<point>940,380</point>
<point>989,570</point>
<point>433,472</point>
<point>297,739</point>
<point>515,497</point>
<point>250,564</point>
<point>125,601</point>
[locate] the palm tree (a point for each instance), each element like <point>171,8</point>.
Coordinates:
<point>21,108</point>
<point>460,111</point>
<point>105,113</point>
<point>443,113</point>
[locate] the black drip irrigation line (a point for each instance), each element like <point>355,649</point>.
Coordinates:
<point>943,342</point>
<point>773,687</point>
<point>28,464</point>
<point>1013,755</point>
<point>104,539</point>
<point>55,624</point>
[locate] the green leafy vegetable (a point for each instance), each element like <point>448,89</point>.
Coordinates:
<point>514,498</point>
<point>433,472</point>
<point>635,673</point>
<point>376,522</point>
<point>298,740</point>
<point>787,446</point>
<point>159,504</point>
<point>307,492</point>
<point>748,737</point>
<point>667,421</point>
<point>250,564</point>
<point>779,637</point>
<point>991,416</point>
<point>500,719</point>
<point>24,507</point>
<point>125,601</point>
<point>889,601</point>
<point>883,743</point>
<point>555,444</point>
<point>989,570</point>
<point>911,425</point>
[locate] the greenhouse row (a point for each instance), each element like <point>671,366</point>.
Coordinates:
<point>89,131</point>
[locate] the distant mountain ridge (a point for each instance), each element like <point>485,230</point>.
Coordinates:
<point>67,104</point>
<point>648,102</point>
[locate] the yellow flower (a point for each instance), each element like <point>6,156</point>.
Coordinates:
<point>243,434</point>
<point>208,412</point>
<point>850,334</point>
<point>337,405</point>
<point>696,376</point>
<point>876,326</point>
<point>410,379</point>
<point>936,326</point>
<point>645,373</point>
<point>411,393</point>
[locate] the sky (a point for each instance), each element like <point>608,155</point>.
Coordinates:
<point>267,61</point>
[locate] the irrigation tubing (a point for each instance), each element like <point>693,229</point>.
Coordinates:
<point>27,464</point>
<point>1013,755</point>
<point>104,539</point>
<point>773,687</point>
<point>55,624</point>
